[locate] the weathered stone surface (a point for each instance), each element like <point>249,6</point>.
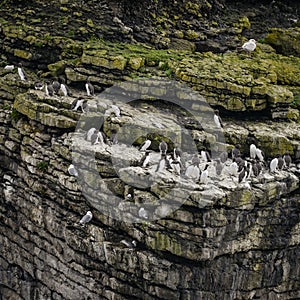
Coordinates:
<point>285,41</point>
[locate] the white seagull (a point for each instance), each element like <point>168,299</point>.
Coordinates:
<point>86,218</point>
<point>143,213</point>
<point>72,171</point>
<point>249,46</point>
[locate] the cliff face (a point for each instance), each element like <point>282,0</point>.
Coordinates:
<point>216,241</point>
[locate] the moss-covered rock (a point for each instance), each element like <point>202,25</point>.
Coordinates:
<point>285,41</point>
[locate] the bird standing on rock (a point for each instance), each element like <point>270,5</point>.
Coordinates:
<point>89,88</point>
<point>49,91</point>
<point>163,147</point>
<point>56,85</point>
<point>86,218</point>
<point>144,162</point>
<point>236,152</point>
<point>145,145</point>
<point>249,46</point>
<point>217,119</point>
<point>273,165</point>
<point>252,151</point>
<point>287,159</point>
<point>204,175</point>
<point>21,72</point>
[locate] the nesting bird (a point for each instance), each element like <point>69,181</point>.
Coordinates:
<point>72,170</point>
<point>143,213</point>
<point>38,86</point>
<point>86,218</point>
<point>249,46</point>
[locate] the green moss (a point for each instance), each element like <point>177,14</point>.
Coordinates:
<point>42,166</point>
<point>15,115</point>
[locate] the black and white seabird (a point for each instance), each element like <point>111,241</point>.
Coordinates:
<point>273,165</point>
<point>162,163</point>
<point>21,72</point>
<point>259,154</point>
<point>252,151</point>
<point>79,102</point>
<point>145,145</point>
<point>144,162</point>
<point>38,85</point>
<point>113,139</point>
<point>177,153</point>
<point>56,85</point>
<point>86,218</point>
<point>89,88</point>
<point>243,174</point>
<point>49,91</point>
<point>176,166</point>
<point>217,119</point>
<point>255,168</point>
<point>204,175</point>
<point>97,138</point>
<point>280,164</point>
<point>205,156</point>
<point>63,89</point>
<point>163,147</point>
<point>287,159</point>
<point>236,152</point>
<point>89,134</point>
